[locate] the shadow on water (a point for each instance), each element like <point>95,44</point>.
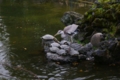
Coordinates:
<point>22,23</point>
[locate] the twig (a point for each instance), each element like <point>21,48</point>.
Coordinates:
<point>19,68</point>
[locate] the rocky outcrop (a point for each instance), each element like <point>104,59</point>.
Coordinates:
<point>104,18</point>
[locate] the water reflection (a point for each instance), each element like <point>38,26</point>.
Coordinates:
<point>4,49</point>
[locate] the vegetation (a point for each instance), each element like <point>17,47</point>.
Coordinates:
<point>102,18</point>
<point>104,1</point>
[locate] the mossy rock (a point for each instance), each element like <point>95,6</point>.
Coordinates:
<point>71,17</point>
<point>109,15</point>
<point>117,14</point>
<point>100,23</point>
<point>103,19</point>
<point>117,33</point>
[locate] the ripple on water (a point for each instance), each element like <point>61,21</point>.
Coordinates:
<point>53,78</point>
<point>3,58</point>
<point>1,44</point>
<point>42,77</point>
<point>83,78</point>
<point>63,72</point>
<point>109,78</point>
<point>4,49</point>
<point>50,74</point>
<point>58,75</point>
<point>57,71</point>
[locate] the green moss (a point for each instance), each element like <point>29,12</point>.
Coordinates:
<point>102,19</point>
<point>113,30</point>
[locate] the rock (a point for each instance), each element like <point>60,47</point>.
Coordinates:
<point>102,49</point>
<point>116,52</point>
<point>76,46</point>
<point>102,57</point>
<point>71,17</point>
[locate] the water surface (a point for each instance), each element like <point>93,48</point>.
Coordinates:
<point>22,23</point>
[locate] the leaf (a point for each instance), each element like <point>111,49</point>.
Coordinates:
<point>81,70</point>
<point>25,48</point>
<point>89,16</point>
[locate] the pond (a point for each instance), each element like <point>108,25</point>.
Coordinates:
<point>22,23</point>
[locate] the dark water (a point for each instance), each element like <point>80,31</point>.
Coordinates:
<point>22,23</point>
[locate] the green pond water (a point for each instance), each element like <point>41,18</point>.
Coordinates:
<point>22,23</point>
